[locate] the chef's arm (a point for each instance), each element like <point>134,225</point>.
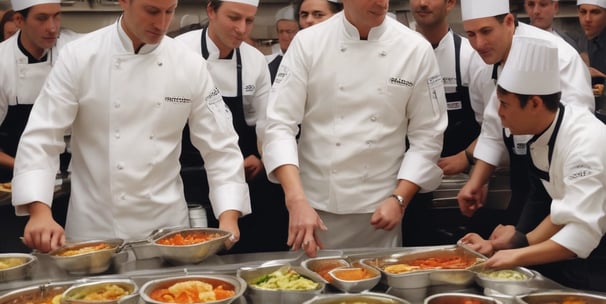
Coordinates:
<point>592,71</point>
<point>544,231</point>
<point>6,160</point>
<point>407,190</point>
<point>289,178</point>
<point>228,221</point>
<point>41,231</point>
<point>459,162</point>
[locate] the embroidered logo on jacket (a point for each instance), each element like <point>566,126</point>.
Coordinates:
<point>177,99</point>
<point>249,88</point>
<point>400,82</point>
<point>213,94</point>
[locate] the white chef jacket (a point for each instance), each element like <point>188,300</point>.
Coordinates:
<point>577,178</point>
<point>255,74</point>
<point>356,101</point>
<point>575,84</point>
<point>470,65</point>
<point>128,112</point>
<point>16,71</point>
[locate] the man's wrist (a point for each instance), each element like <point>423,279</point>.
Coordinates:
<point>399,199</point>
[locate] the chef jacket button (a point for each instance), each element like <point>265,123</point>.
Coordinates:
<point>341,88</point>
<point>373,118</point>
<point>334,171</point>
<point>123,196</point>
<point>343,49</point>
<point>158,103</point>
<point>383,53</point>
<point>369,142</point>
<point>151,137</point>
<point>338,144</point>
<point>120,166</point>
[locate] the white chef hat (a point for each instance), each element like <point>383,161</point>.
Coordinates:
<point>254,3</point>
<point>23,4</point>
<point>600,3</point>
<point>531,67</point>
<point>474,9</point>
<point>286,13</point>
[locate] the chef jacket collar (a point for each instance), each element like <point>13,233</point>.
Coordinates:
<point>31,59</point>
<point>374,34</point>
<point>443,42</point>
<point>546,138</point>
<point>127,43</point>
<point>600,40</point>
<point>213,50</point>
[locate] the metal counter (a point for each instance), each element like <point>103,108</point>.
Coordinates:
<point>125,265</point>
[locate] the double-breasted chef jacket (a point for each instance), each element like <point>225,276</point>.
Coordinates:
<point>357,101</point>
<point>21,82</point>
<point>576,89</point>
<point>570,159</point>
<point>127,112</point>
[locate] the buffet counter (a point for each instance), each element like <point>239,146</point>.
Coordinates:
<point>125,265</point>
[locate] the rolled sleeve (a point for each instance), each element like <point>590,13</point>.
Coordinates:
<point>32,186</point>
<point>230,197</point>
<point>490,147</point>
<point>575,237</point>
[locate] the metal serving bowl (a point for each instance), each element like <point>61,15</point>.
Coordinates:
<point>21,265</point>
<point>460,298</point>
<point>367,297</point>
<point>262,296</point>
<point>559,297</point>
<point>508,286</point>
<point>319,267</point>
<point>77,294</point>
<point>86,263</point>
<point>194,253</point>
<point>354,285</point>
<point>37,294</point>
<point>238,285</point>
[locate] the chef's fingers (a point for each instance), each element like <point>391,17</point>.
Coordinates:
<point>57,239</point>
<point>297,239</point>
<point>318,241</point>
<point>231,241</point>
<point>311,248</point>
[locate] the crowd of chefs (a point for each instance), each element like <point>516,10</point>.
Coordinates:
<point>339,148</point>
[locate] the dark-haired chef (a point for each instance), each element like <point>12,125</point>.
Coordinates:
<point>567,154</point>
<point>127,118</point>
<point>240,72</point>
<point>26,59</point>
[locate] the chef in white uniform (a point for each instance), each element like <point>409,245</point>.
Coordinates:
<point>567,154</point>
<point>27,58</point>
<point>240,72</point>
<point>359,84</point>
<point>127,117</point>
<point>493,46</point>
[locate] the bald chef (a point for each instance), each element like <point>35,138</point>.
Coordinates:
<point>27,58</point>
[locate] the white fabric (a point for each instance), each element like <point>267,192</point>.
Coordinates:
<point>600,3</point>
<point>575,83</point>
<point>577,179</point>
<point>15,71</point>
<point>18,5</point>
<point>351,150</point>
<point>474,9</point>
<point>532,67</point>
<point>340,235</point>
<point>285,13</point>
<point>127,118</point>
<point>470,64</point>
<point>254,3</point>
<point>255,74</point>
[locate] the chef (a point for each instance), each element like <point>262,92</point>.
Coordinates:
<point>240,72</point>
<point>27,58</point>
<point>490,28</point>
<point>567,154</point>
<point>359,84</point>
<point>127,117</point>
<point>286,28</point>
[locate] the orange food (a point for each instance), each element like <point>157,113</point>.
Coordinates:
<point>573,300</point>
<point>86,249</point>
<point>179,239</point>
<point>191,292</point>
<point>446,262</point>
<point>353,274</point>
<point>471,301</point>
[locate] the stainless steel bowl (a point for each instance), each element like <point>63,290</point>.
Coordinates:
<point>319,267</point>
<point>354,285</point>
<point>191,254</point>
<point>18,266</point>
<point>459,298</point>
<point>86,263</point>
<point>105,290</point>
<point>238,285</point>
<point>36,294</point>
<point>368,297</point>
<point>559,297</point>
<point>263,296</point>
<point>507,286</point>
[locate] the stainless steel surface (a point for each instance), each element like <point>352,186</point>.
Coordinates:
<point>194,253</point>
<point>355,286</point>
<point>21,271</point>
<point>559,297</point>
<point>508,286</point>
<point>77,293</point>
<point>460,298</point>
<point>319,267</point>
<point>228,282</point>
<point>35,293</point>
<point>369,297</point>
<point>92,262</point>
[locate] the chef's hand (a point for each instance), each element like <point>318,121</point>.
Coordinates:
<point>454,164</point>
<point>303,221</point>
<point>252,167</point>
<point>477,243</point>
<point>41,231</point>
<point>504,259</point>
<point>471,197</point>
<point>501,237</point>
<point>228,221</point>
<point>388,214</point>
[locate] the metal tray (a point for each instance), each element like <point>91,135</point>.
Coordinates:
<point>559,297</point>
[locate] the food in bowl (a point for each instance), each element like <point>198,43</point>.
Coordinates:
<point>83,250</point>
<point>102,293</point>
<point>505,274</point>
<point>10,262</point>
<point>40,294</point>
<point>284,279</point>
<point>188,238</point>
<point>192,291</point>
<point>445,262</point>
<point>353,274</point>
